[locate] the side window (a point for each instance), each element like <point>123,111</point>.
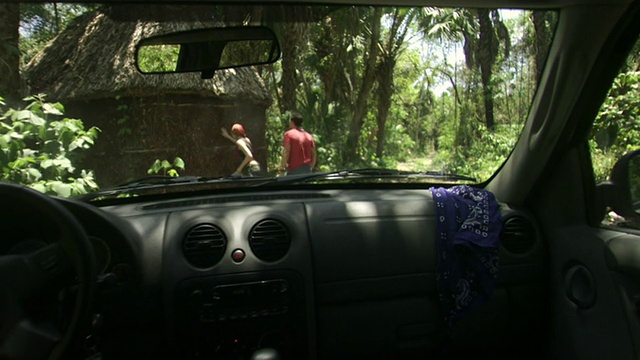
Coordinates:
<point>616,130</point>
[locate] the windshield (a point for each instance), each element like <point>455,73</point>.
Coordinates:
<point>438,92</point>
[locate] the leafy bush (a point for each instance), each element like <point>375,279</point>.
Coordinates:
<point>616,130</point>
<point>166,167</point>
<point>328,155</point>
<point>158,58</point>
<point>485,152</point>
<point>39,146</point>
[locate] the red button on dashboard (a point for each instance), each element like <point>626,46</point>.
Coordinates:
<point>237,255</point>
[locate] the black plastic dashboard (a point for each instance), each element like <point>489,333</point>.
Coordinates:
<point>313,274</point>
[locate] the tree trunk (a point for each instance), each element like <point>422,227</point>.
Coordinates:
<point>368,78</point>
<point>389,56</point>
<point>292,41</point>
<point>9,52</point>
<point>385,91</point>
<point>487,92</point>
<point>487,53</point>
<point>543,39</point>
<point>289,57</point>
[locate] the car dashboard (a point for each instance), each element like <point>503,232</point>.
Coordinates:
<point>324,274</point>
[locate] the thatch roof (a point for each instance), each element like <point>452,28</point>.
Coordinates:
<point>94,58</point>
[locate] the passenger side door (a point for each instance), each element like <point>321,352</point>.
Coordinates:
<point>594,266</point>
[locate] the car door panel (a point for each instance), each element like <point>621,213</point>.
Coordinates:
<point>595,330</point>
<point>622,256</point>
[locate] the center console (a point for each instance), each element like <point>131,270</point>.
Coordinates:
<point>233,316</point>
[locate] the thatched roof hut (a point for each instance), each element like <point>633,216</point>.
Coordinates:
<point>90,68</point>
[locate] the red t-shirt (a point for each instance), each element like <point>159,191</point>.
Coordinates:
<point>301,145</point>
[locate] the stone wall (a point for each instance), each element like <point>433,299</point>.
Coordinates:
<point>137,131</point>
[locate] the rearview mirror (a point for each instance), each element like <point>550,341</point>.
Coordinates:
<point>207,50</point>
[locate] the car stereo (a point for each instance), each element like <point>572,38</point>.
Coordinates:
<point>231,316</point>
<point>243,301</point>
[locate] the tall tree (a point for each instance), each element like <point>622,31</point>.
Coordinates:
<point>367,82</point>
<point>390,50</point>
<point>485,36</point>
<point>449,26</point>
<point>9,52</point>
<point>292,41</point>
<point>492,32</point>
<point>542,24</point>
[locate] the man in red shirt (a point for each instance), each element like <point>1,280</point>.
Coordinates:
<point>299,153</point>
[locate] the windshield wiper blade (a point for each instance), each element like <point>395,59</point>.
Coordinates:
<point>427,174</point>
<point>141,183</point>
<point>159,181</point>
<point>448,176</point>
<point>394,172</point>
<point>367,173</point>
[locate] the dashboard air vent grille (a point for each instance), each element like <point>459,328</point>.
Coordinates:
<point>269,240</point>
<point>518,235</point>
<point>204,245</point>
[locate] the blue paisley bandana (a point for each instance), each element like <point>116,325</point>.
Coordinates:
<point>468,226</point>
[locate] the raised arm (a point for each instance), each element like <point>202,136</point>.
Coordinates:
<point>224,132</point>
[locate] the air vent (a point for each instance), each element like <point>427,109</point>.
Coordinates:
<point>269,240</point>
<point>518,235</point>
<point>204,245</point>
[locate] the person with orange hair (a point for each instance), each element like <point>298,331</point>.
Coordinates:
<point>242,141</point>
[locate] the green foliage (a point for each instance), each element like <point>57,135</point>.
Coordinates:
<point>275,128</point>
<point>602,160</point>
<point>616,130</point>
<point>437,107</point>
<point>124,129</point>
<point>484,153</point>
<point>328,155</point>
<point>39,147</point>
<point>166,167</point>
<point>243,53</point>
<point>41,22</point>
<point>435,98</point>
<point>398,146</point>
<point>158,58</point>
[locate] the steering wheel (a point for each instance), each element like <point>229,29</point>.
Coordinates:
<point>24,332</point>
